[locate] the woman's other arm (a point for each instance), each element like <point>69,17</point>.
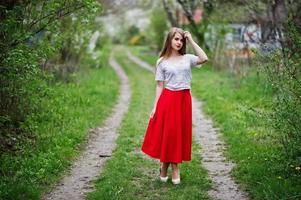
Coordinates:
<point>159,89</point>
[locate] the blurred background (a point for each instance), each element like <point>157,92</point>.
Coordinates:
<point>52,51</point>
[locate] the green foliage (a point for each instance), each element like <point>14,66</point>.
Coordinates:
<point>282,67</point>
<point>157,31</point>
<point>240,107</point>
<point>133,36</point>
<point>99,56</point>
<point>32,32</point>
<point>60,128</point>
<point>133,30</point>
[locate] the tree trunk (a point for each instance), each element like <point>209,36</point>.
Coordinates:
<point>170,15</point>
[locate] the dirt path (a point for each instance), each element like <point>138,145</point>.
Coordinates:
<point>100,145</point>
<point>213,160</point>
<point>207,136</point>
<point>140,62</point>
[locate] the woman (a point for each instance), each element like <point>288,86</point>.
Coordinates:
<point>169,133</point>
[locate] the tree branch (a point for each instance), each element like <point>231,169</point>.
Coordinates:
<point>50,21</point>
<point>188,13</point>
<point>51,14</point>
<point>169,14</point>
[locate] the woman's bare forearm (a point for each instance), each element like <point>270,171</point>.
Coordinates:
<point>159,89</point>
<point>199,51</point>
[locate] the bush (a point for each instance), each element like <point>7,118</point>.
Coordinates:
<point>32,33</point>
<point>283,71</point>
<point>158,28</point>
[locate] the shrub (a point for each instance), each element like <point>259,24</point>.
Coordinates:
<point>282,68</point>
<point>32,33</point>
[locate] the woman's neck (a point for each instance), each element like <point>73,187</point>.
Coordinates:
<point>174,53</point>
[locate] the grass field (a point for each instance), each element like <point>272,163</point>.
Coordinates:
<point>61,130</point>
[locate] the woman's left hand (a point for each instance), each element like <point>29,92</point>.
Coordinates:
<point>188,36</point>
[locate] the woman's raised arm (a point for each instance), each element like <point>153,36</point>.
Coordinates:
<point>198,50</point>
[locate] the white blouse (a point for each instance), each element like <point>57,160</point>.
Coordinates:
<point>176,73</point>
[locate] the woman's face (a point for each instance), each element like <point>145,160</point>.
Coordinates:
<point>177,41</point>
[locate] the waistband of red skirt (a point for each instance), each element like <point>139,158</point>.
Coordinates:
<point>178,91</point>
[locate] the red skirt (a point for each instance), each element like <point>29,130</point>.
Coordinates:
<point>169,133</point>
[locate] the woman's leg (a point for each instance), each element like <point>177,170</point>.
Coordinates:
<point>164,167</point>
<point>175,171</point>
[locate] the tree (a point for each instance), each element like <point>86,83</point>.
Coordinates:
<point>30,33</point>
<point>169,12</point>
<point>158,27</point>
<point>188,7</point>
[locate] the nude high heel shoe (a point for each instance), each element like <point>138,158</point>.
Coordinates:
<point>163,179</point>
<point>177,180</point>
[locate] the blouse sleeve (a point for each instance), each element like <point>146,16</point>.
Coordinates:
<point>159,72</point>
<point>193,59</point>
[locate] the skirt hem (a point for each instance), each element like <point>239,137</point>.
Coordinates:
<point>166,161</point>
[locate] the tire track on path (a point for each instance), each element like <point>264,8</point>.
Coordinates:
<point>99,148</point>
<point>224,187</point>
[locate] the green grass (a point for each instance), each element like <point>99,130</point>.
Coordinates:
<point>61,130</point>
<point>143,53</point>
<point>252,143</point>
<point>231,102</point>
<point>130,174</point>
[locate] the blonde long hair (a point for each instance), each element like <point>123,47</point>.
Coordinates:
<point>167,49</point>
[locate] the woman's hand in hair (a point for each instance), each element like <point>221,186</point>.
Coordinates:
<point>198,50</point>
<point>188,36</point>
